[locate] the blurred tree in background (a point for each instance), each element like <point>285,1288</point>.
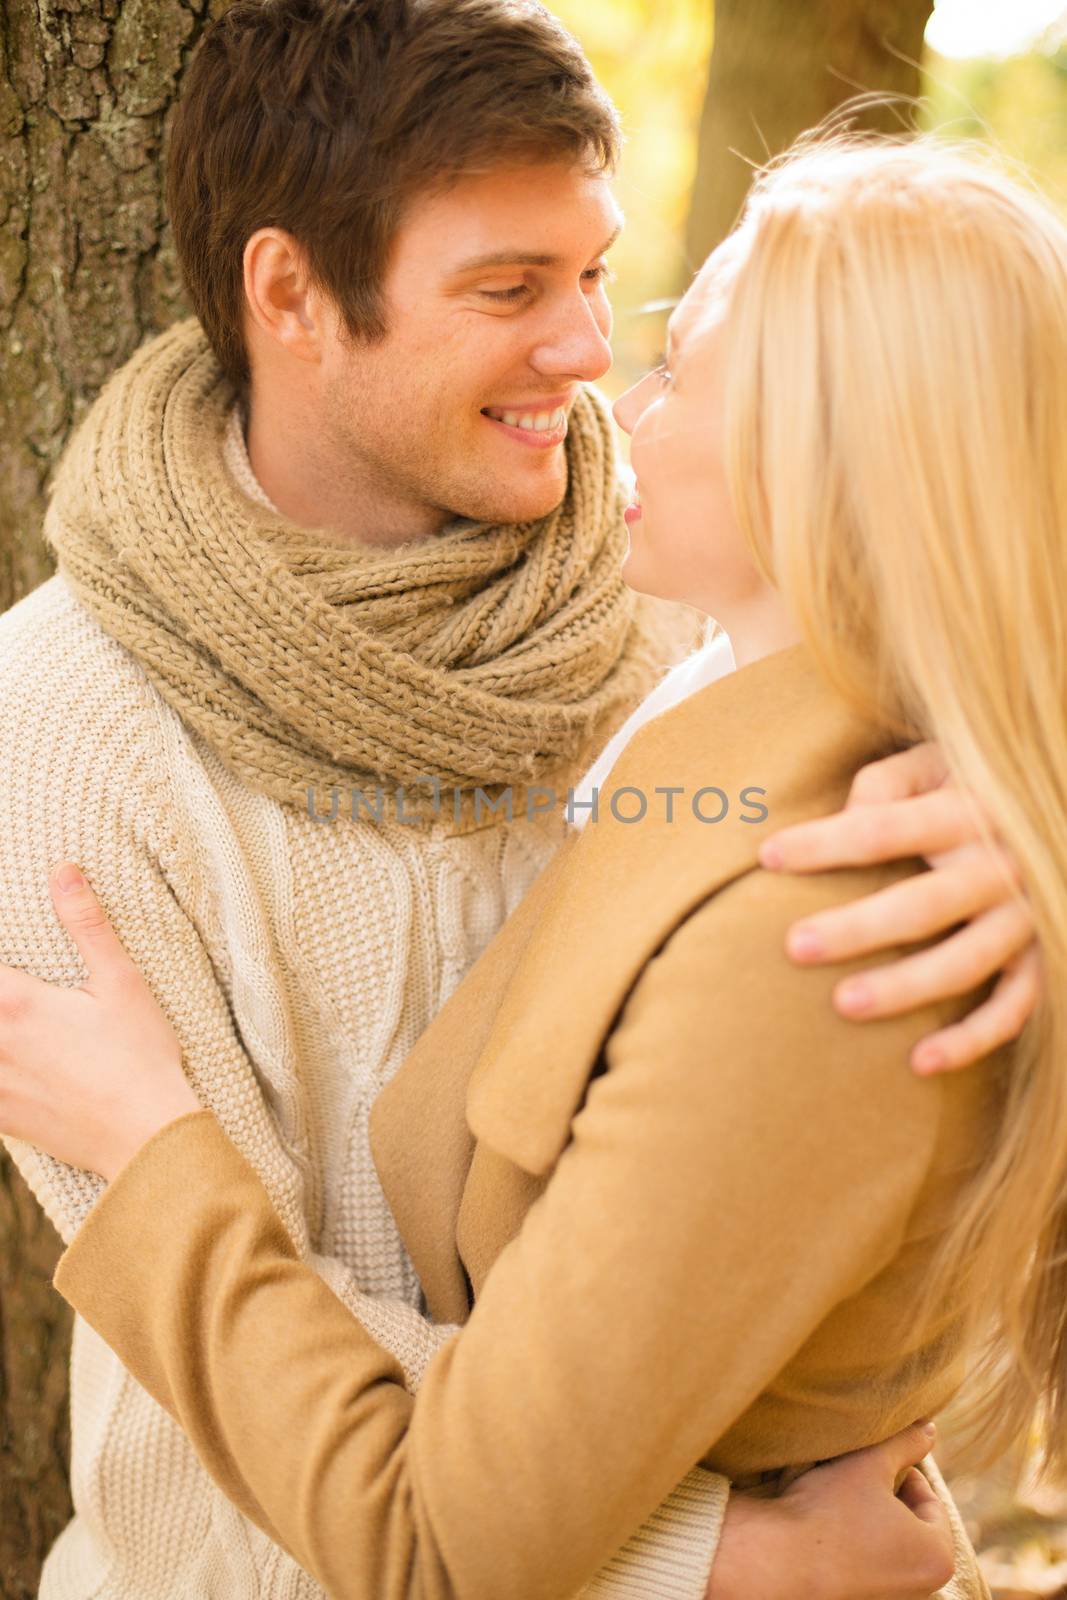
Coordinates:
<point>86,273</point>
<point>777,68</point>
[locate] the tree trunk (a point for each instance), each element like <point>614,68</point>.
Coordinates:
<point>34,1437</point>
<point>86,274</point>
<point>778,67</point>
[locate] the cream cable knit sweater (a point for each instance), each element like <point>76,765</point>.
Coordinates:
<point>298,961</point>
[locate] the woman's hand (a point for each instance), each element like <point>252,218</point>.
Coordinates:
<point>867,1526</point>
<point>87,1074</point>
<point>904,806</point>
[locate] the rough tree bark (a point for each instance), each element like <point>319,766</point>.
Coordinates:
<point>86,273</point>
<point>777,68</point>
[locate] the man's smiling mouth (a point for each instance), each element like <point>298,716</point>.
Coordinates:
<point>538,430</point>
<point>529,421</point>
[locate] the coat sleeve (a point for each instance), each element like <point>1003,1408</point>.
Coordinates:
<point>649,1297</point>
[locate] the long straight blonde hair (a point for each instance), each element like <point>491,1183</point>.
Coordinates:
<point>896,380</point>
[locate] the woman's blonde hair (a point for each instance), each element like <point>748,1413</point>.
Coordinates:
<point>896,374</point>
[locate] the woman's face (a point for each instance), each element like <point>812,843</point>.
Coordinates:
<point>685,543</point>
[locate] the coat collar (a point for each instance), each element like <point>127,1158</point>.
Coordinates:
<point>771,727</point>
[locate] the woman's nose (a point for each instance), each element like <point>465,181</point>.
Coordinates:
<point>629,406</point>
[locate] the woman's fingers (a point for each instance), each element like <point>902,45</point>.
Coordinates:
<point>863,835</point>
<point>995,1022</point>
<point>973,881</point>
<point>898,777</point>
<point>953,966</point>
<point>965,882</point>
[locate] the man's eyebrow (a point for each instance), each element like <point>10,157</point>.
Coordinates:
<point>520,258</point>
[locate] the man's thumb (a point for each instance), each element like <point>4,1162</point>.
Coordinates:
<point>84,919</point>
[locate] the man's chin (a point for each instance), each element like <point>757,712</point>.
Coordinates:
<point>511,503</point>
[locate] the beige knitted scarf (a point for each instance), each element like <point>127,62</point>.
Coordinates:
<point>486,657</point>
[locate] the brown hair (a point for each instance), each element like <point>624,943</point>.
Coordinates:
<point>325,117</point>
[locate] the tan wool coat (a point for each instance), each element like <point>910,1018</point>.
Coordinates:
<point>682,1208</point>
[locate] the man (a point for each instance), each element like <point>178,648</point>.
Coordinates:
<point>349,540</point>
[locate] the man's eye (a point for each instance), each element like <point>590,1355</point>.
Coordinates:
<point>593,275</point>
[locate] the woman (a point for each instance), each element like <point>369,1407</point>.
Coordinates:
<point>729,1227</point>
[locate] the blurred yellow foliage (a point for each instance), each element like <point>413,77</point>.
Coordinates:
<point>653,60</point>
<point>1020,102</point>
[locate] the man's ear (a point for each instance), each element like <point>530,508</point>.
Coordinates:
<point>281,302</point>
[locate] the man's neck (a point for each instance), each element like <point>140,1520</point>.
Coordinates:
<point>293,469</point>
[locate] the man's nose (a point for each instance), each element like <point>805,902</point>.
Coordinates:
<point>574,344</point>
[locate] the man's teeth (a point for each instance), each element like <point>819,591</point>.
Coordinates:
<point>531,421</point>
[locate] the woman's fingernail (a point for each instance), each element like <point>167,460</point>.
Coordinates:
<point>930,1428</point>
<point>804,944</point>
<point>770,855</point>
<point>68,878</point>
<point>929,1058</point>
<point>855,996</point>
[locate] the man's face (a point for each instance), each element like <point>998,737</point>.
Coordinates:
<point>497,312</point>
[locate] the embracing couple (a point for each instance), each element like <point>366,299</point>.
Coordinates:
<point>490,1072</point>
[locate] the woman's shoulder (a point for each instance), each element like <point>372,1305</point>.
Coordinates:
<point>729,999</point>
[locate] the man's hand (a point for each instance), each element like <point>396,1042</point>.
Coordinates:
<point>867,1526</point>
<point>88,1074</point>
<point>905,806</point>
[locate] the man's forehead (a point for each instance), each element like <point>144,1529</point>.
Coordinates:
<point>532,256</point>
<point>537,214</point>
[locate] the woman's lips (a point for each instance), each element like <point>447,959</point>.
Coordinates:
<point>632,514</point>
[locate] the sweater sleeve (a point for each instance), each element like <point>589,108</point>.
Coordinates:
<point>648,1299</point>
<point>82,776</point>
